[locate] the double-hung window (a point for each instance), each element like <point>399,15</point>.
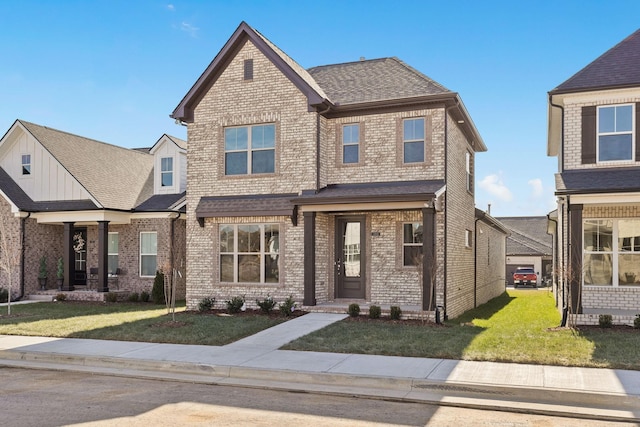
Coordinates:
<point>413,140</point>
<point>468,167</point>
<point>412,239</point>
<point>166,171</point>
<point>112,253</point>
<point>350,143</point>
<point>615,132</point>
<point>148,253</point>
<point>26,164</point>
<point>249,253</point>
<point>249,149</point>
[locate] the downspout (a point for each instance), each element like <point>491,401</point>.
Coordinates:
<point>23,229</point>
<point>554,253</point>
<point>561,130</point>
<point>567,236</point>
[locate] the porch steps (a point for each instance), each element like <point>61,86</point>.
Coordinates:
<point>40,297</point>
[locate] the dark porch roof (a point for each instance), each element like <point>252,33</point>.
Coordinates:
<point>372,192</point>
<point>250,205</point>
<point>595,181</point>
<point>161,202</point>
<point>19,198</point>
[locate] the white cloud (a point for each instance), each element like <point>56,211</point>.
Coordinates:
<point>171,7</point>
<point>190,29</point>
<point>493,185</point>
<point>536,187</point>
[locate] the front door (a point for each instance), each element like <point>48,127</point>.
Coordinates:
<point>350,258</point>
<point>80,250</point>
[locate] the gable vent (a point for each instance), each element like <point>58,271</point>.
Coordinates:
<point>248,69</point>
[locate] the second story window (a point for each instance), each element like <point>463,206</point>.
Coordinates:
<point>350,143</point>
<point>413,140</point>
<point>249,150</point>
<point>166,171</point>
<point>26,164</point>
<point>615,133</point>
<point>468,161</point>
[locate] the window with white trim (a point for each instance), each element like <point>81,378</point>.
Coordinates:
<point>148,253</point>
<point>615,132</point>
<point>611,252</point>
<point>249,150</point>
<point>166,171</point>
<point>26,164</point>
<point>350,143</point>
<point>249,253</point>
<point>468,238</point>
<point>112,252</point>
<point>413,140</point>
<point>412,240</point>
<point>468,160</point>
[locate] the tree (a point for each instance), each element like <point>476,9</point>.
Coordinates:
<point>9,258</point>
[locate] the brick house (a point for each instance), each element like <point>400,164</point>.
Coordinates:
<point>340,183</point>
<point>113,215</point>
<point>593,130</point>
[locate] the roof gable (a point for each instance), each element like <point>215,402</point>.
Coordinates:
<point>294,72</point>
<point>617,68</point>
<point>179,143</point>
<point>528,235</point>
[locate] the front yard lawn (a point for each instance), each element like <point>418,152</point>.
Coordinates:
<point>518,326</point>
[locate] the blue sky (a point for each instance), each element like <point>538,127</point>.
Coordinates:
<point>115,70</point>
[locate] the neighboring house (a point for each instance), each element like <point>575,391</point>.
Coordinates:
<point>345,182</point>
<point>529,245</point>
<point>594,131</point>
<point>112,214</point>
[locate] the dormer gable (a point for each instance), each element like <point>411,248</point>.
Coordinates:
<point>170,165</point>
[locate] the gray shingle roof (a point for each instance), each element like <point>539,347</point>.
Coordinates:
<point>118,178</point>
<point>528,235</point>
<point>373,192</point>
<point>608,180</point>
<point>374,80</point>
<point>618,67</point>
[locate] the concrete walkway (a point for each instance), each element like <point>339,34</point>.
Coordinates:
<point>612,395</point>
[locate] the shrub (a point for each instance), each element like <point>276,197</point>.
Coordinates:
<point>133,297</point>
<point>235,304</point>
<point>267,304</point>
<point>288,306</point>
<point>375,311</point>
<point>636,322</point>
<point>353,310</point>
<point>111,297</point>
<point>206,303</point>
<point>144,296</point>
<point>395,312</point>
<point>61,297</point>
<point>157,292</point>
<point>4,295</point>
<point>605,320</point>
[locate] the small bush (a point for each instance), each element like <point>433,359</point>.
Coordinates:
<point>144,296</point>
<point>157,292</point>
<point>375,311</point>
<point>267,304</point>
<point>354,310</point>
<point>235,304</point>
<point>134,297</point>
<point>4,295</point>
<point>636,322</point>
<point>395,312</point>
<point>288,306</point>
<point>206,304</point>
<point>61,297</point>
<point>605,320</point>
<point>111,297</point>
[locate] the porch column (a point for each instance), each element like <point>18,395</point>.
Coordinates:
<point>575,259</point>
<point>428,258</point>
<point>68,257</point>
<point>103,259</point>
<point>309,258</point>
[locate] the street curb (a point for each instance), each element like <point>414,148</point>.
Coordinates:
<point>575,404</point>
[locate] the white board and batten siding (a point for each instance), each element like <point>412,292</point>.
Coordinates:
<point>167,148</point>
<point>48,181</point>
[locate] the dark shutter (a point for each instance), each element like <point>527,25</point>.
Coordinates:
<point>637,131</point>
<point>248,69</point>
<point>588,135</point>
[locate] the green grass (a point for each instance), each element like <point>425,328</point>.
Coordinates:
<point>129,322</point>
<point>518,326</point>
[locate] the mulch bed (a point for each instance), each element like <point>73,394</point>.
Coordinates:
<point>250,313</point>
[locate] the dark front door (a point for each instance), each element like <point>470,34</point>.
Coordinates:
<point>350,258</point>
<point>80,251</point>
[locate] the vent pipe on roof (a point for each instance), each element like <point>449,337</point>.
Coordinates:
<point>361,58</point>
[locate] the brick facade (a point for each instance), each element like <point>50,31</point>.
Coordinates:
<point>10,247</point>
